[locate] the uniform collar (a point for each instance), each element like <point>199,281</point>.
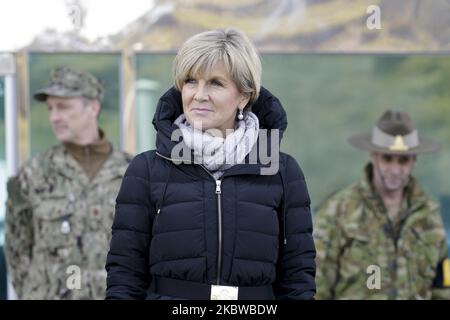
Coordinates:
<point>101,147</point>
<point>65,164</point>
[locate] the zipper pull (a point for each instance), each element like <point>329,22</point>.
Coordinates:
<point>218,190</point>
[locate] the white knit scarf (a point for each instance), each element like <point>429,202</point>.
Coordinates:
<point>217,153</point>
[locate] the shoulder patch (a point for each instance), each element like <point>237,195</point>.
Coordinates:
<point>442,279</point>
<point>446,272</point>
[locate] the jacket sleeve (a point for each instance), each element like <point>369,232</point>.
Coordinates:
<point>328,239</point>
<point>296,266</point>
<point>127,263</point>
<point>18,232</point>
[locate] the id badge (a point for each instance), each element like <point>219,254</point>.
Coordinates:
<point>224,292</point>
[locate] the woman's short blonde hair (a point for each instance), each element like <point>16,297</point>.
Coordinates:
<point>200,53</point>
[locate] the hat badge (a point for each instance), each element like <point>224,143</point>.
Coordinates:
<point>399,144</point>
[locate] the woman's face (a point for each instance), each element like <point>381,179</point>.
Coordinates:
<point>210,101</point>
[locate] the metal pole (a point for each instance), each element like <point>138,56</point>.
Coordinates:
<point>11,145</point>
<point>11,125</point>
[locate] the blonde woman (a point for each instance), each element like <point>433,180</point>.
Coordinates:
<point>205,215</point>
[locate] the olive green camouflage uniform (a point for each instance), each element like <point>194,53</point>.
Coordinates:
<point>57,218</point>
<point>353,231</point>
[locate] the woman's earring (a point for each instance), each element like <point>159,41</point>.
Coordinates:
<point>240,115</point>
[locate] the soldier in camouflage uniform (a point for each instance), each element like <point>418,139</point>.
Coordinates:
<point>382,237</point>
<point>61,204</point>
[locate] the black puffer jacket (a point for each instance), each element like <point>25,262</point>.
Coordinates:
<point>177,231</point>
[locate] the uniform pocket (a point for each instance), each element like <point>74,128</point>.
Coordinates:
<point>422,259</point>
<point>357,245</point>
<point>357,253</point>
<point>53,222</point>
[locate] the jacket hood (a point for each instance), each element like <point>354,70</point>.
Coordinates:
<point>267,108</point>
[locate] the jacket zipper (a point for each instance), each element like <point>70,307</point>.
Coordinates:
<point>219,217</point>
<point>158,210</point>
<point>219,227</point>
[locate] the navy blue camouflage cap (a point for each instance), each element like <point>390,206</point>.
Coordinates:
<point>69,83</point>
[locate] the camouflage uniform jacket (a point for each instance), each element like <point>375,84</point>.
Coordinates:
<point>353,231</point>
<point>58,226</point>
